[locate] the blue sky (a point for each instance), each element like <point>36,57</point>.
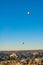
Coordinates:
<point>17,27</point>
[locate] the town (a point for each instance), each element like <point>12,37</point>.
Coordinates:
<point>28,57</point>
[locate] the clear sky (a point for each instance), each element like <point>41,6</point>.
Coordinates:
<point>17,27</point>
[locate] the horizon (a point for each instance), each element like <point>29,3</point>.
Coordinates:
<point>20,50</point>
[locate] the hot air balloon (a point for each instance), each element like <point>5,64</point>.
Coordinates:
<point>28,13</point>
<point>23,43</point>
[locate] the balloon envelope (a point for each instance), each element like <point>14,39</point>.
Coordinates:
<point>28,13</point>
